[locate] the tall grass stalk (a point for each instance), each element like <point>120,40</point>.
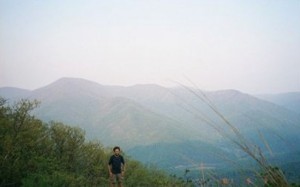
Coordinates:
<point>270,176</point>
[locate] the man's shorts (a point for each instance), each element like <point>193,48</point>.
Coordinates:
<point>116,178</point>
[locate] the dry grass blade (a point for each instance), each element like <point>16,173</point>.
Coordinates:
<point>271,176</point>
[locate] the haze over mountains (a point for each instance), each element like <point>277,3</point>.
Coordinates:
<point>289,100</point>
<point>152,122</point>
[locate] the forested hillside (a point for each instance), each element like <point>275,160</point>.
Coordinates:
<point>34,153</point>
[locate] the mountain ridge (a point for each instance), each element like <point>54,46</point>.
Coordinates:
<point>289,100</point>
<point>145,115</point>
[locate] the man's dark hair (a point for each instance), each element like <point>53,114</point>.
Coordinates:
<point>117,147</point>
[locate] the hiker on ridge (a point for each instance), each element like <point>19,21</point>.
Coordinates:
<point>116,168</point>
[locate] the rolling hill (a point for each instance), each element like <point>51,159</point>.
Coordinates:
<point>169,121</point>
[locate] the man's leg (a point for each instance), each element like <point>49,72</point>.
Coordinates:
<point>112,180</point>
<point>119,180</point>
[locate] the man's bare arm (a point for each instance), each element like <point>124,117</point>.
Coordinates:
<point>109,169</point>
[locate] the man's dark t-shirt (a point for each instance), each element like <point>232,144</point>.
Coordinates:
<point>115,162</point>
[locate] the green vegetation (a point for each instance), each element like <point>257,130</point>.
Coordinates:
<point>34,153</point>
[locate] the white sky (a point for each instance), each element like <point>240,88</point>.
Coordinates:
<point>252,46</point>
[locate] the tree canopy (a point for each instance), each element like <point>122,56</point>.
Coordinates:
<point>35,153</point>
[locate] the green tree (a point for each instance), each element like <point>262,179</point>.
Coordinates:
<point>67,143</point>
<point>33,153</point>
<point>20,133</point>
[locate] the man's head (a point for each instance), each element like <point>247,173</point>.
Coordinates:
<point>116,150</point>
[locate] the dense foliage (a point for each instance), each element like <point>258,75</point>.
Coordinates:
<point>34,153</point>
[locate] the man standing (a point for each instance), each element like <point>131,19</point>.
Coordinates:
<point>116,168</point>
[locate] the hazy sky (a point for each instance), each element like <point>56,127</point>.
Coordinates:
<point>252,46</point>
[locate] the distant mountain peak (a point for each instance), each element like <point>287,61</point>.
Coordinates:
<point>148,110</point>
<point>68,80</point>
